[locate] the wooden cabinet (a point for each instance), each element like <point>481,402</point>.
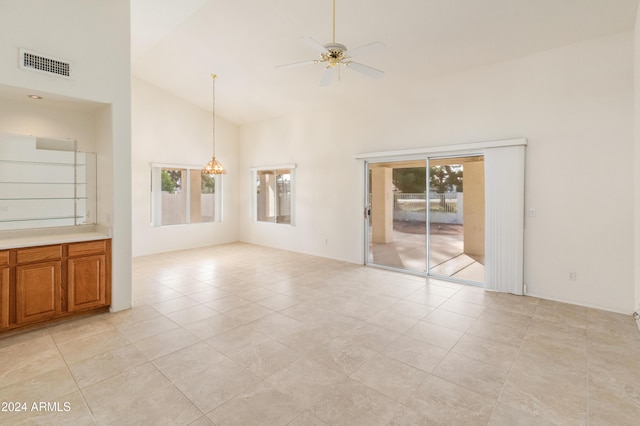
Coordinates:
<point>38,292</point>
<point>87,275</point>
<point>38,284</point>
<point>38,254</point>
<point>4,289</point>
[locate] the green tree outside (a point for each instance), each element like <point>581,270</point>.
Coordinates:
<point>441,179</point>
<point>168,184</point>
<point>446,178</point>
<point>410,180</point>
<point>207,184</point>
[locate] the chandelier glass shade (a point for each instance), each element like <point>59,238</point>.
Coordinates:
<point>214,167</point>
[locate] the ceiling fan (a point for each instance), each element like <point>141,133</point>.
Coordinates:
<point>334,55</point>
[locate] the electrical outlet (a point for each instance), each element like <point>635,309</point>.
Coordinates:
<point>572,276</point>
<point>532,212</point>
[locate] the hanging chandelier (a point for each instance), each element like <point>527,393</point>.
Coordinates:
<point>214,167</point>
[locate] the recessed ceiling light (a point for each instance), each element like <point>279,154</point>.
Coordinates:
<point>35,97</point>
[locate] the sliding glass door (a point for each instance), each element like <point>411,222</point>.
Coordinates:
<point>456,218</point>
<point>427,216</point>
<point>397,215</point>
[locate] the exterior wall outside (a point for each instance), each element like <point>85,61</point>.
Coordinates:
<point>574,104</point>
<point>474,208</point>
<point>381,205</point>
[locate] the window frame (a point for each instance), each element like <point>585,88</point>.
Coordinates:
<point>156,195</point>
<point>254,193</point>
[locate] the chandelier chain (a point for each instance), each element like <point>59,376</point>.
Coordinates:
<point>213,167</point>
<point>213,113</point>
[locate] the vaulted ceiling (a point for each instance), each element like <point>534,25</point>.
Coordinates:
<point>176,45</point>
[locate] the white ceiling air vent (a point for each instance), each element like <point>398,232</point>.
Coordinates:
<point>46,64</point>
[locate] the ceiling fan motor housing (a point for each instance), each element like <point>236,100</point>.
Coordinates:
<point>336,54</point>
<point>335,47</point>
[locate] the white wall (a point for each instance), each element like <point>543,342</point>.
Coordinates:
<point>94,37</point>
<point>574,105</point>
<point>169,130</point>
<point>43,118</point>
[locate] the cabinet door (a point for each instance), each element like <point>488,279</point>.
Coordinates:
<point>87,278</point>
<point>4,289</point>
<point>4,297</point>
<point>38,291</point>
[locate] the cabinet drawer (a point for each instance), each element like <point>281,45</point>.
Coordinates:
<point>89,247</point>
<point>4,258</point>
<point>39,254</point>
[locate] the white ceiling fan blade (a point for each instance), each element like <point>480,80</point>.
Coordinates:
<point>376,46</point>
<point>364,69</point>
<point>327,76</point>
<point>297,64</point>
<point>315,45</point>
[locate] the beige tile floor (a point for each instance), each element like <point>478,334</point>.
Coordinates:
<point>240,334</point>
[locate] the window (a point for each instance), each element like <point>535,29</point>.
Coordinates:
<point>184,195</point>
<point>273,194</point>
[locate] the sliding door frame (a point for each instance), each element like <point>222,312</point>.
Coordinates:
<point>428,239</point>
<point>513,238</point>
<point>367,217</point>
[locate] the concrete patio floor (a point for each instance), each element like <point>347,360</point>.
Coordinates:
<point>446,258</point>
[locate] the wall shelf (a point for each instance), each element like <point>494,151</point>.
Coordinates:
<point>45,184</point>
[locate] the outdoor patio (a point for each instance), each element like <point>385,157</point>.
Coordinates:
<point>446,258</point>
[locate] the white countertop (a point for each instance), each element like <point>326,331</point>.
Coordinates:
<point>47,236</point>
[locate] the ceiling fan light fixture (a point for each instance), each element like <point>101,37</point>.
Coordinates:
<point>334,55</point>
<point>214,167</point>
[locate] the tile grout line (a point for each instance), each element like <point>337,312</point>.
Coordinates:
<point>79,389</point>
<point>506,380</point>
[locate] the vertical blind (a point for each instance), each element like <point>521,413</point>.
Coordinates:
<point>504,245</point>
